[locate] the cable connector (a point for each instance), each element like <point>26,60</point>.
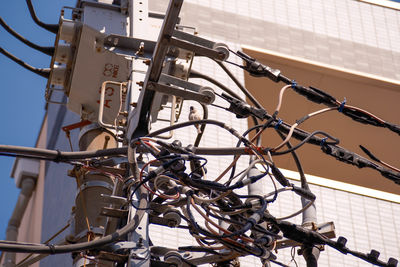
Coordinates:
<point>242,109</point>
<point>307,194</point>
<point>279,176</point>
<point>315,95</point>
<point>257,69</point>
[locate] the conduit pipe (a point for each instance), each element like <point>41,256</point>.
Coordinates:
<point>27,187</point>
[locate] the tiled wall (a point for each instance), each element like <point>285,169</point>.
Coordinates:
<point>344,33</point>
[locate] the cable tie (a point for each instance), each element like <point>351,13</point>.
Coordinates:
<point>294,83</point>
<point>52,248</point>
<point>58,157</point>
<point>342,105</point>
<point>278,123</point>
<point>260,149</point>
<point>323,141</point>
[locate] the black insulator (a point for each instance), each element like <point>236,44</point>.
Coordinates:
<point>374,255</point>
<point>341,241</point>
<point>392,262</point>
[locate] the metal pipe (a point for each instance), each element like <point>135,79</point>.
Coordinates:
<point>89,223</point>
<point>309,220</point>
<point>101,105</point>
<point>27,187</point>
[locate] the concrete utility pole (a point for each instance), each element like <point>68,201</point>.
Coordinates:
<point>90,223</point>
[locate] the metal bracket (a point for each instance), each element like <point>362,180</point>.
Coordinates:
<point>194,91</point>
<point>122,245</point>
<point>138,121</point>
<point>129,45</point>
<point>114,213</point>
<point>114,199</point>
<point>200,46</point>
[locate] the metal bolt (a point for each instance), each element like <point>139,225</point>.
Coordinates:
<point>106,140</point>
<point>150,86</point>
<point>139,244</point>
<point>122,122</point>
<point>206,99</point>
<point>171,223</point>
<point>147,62</point>
<point>140,83</point>
<point>221,55</point>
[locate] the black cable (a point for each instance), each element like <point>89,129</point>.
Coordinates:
<point>42,72</point>
<point>303,180</point>
<point>195,74</point>
<point>50,27</point>
<point>44,49</point>
<point>369,154</point>
<point>188,123</point>
<point>188,262</point>
<point>198,249</point>
<point>241,87</point>
<point>338,152</point>
<point>202,127</point>
<point>134,191</point>
<point>199,229</point>
<point>305,140</point>
<point>310,237</point>
<point>308,250</point>
<point>256,127</point>
<point>48,154</point>
<point>315,95</point>
<point>230,220</point>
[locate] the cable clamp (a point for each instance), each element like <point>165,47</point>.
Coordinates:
<point>342,105</point>
<point>58,157</point>
<point>294,83</point>
<point>52,248</point>
<point>278,123</point>
<point>323,141</point>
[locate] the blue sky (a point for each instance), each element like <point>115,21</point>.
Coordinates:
<point>22,104</point>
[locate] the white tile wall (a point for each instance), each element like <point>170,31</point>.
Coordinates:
<point>347,19</point>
